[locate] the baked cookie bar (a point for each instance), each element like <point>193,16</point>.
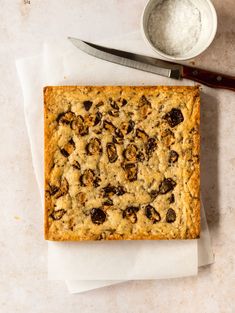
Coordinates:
<point>121,163</point>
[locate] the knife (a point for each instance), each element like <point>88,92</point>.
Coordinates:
<point>156,66</point>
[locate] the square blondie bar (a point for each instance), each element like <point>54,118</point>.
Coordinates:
<point>122,163</point>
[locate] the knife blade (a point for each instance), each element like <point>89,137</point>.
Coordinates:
<point>155,66</point>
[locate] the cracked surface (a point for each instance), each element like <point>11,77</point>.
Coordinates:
<point>122,163</point>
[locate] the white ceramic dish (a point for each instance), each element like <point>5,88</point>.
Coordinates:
<point>208,30</point>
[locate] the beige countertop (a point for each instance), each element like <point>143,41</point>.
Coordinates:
<point>24,287</point>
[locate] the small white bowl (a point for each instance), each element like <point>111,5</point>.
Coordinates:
<point>208,30</point>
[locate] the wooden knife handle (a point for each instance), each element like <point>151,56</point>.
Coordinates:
<point>211,79</point>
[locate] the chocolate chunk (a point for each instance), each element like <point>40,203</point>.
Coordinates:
<point>150,147</point>
<point>64,188</point>
<point>170,216</point>
<point>66,118</point>
<point>81,197</point>
<point>110,190</point>
<point>124,102</point>
<point>64,153</point>
<point>114,104</point>
<point>61,190</point>
<point>96,182</point>
<point>144,101</point>
<point>98,216</point>
<point>166,185</point>
<point>109,126</point>
<point>87,178</point>
<point>99,104</point>
<point>57,215</point>
<point>141,134</point>
<point>130,153</point>
<point>167,137</point>
<point>84,131</point>
<point>98,118</point>
<point>174,117</point>
<point>93,147</point>
<point>111,152</point>
<point>68,148</point>
<point>130,127</point>
<point>118,133</point>
<point>120,190</point>
<point>80,126</point>
<point>53,190</point>
<point>108,202</point>
<point>145,106</point>
<point>76,165</point>
<point>154,194</point>
<point>172,199</point>
<point>117,140</point>
<point>131,170</point>
<point>140,157</point>
<point>77,123</point>
<point>152,214</point>
<point>173,157</point>
<point>130,214</point>
<point>87,105</point>
<point>114,113</point>
<point>71,142</point>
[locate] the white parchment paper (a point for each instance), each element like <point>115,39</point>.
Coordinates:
<point>61,63</point>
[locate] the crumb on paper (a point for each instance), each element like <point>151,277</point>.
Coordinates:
<point>16,217</point>
<point>192,63</point>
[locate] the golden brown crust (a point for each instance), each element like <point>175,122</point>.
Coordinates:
<point>67,217</point>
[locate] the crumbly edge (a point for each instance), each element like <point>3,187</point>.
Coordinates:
<point>48,156</point>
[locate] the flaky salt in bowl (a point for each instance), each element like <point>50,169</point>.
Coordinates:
<point>179,29</point>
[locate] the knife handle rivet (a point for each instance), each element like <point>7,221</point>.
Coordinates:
<point>219,78</point>
<point>195,72</point>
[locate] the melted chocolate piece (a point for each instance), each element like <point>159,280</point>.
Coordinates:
<point>76,165</point>
<point>131,170</point>
<point>172,199</point>
<point>130,214</point>
<point>87,178</point>
<point>173,157</point>
<point>114,104</point>
<point>124,102</point>
<point>87,105</point>
<point>93,147</point>
<point>108,126</point>
<point>141,134</point>
<point>108,202</point>
<point>98,118</point>
<point>98,216</point>
<point>152,214</point>
<point>130,127</point>
<point>174,117</point>
<point>110,190</point>
<point>150,147</point>
<point>65,118</point>
<point>57,215</point>
<point>166,185</point>
<point>64,153</point>
<point>111,152</point>
<point>170,216</point>
<point>130,152</point>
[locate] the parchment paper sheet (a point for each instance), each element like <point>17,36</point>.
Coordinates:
<point>106,262</point>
